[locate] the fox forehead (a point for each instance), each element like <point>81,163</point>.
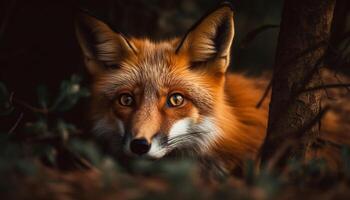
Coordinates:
<point>156,69</point>
<point>154,64</point>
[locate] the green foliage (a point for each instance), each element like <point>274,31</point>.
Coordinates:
<point>43,134</point>
<point>88,150</point>
<point>12,158</point>
<point>37,128</point>
<point>69,94</point>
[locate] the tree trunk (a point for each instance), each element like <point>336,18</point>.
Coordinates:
<point>304,34</point>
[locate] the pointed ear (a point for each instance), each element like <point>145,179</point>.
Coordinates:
<point>101,46</point>
<point>209,40</point>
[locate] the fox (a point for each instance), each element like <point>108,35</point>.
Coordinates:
<point>151,98</point>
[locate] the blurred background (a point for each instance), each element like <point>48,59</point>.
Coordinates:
<point>38,44</point>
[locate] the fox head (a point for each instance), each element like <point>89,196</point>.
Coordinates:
<point>155,97</point>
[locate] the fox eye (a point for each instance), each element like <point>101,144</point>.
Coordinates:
<point>175,100</point>
<point>126,99</point>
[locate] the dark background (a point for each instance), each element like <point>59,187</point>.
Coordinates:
<point>38,44</point>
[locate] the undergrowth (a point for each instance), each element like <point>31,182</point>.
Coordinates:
<point>48,157</point>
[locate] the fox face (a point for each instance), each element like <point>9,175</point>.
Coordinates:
<point>155,97</point>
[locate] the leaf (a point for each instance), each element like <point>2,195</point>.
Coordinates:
<point>87,150</point>
<point>70,93</point>
<point>38,128</point>
<point>11,158</point>
<point>64,129</point>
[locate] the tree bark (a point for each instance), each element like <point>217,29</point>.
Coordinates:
<point>303,40</point>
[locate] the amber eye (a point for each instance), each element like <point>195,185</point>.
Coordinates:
<point>126,99</point>
<point>175,100</point>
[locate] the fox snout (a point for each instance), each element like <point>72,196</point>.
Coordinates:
<point>154,148</point>
<point>139,146</point>
<point>183,134</point>
<point>144,128</point>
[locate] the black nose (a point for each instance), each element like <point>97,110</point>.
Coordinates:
<point>139,146</point>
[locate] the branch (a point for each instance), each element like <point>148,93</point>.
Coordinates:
<point>16,124</point>
<point>337,85</point>
<point>322,82</point>
<point>340,81</point>
<point>309,125</point>
<point>52,139</point>
<point>29,107</point>
<point>254,33</point>
<point>266,92</point>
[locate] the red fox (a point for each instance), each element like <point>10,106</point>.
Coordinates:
<point>157,97</point>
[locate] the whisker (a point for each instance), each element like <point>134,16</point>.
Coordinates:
<point>189,143</point>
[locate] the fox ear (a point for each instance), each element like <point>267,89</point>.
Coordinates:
<point>209,40</point>
<point>101,46</point>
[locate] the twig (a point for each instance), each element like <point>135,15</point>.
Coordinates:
<point>11,97</point>
<point>322,142</point>
<point>54,139</point>
<point>309,125</point>
<point>30,107</point>
<point>82,162</point>
<point>337,85</point>
<point>309,77</point>
<point>277,157</point>
<point>340,81</point>
<point>254,33</point>
<point>266,92</point>
<point>322,82</point>
<point>16,124</point>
